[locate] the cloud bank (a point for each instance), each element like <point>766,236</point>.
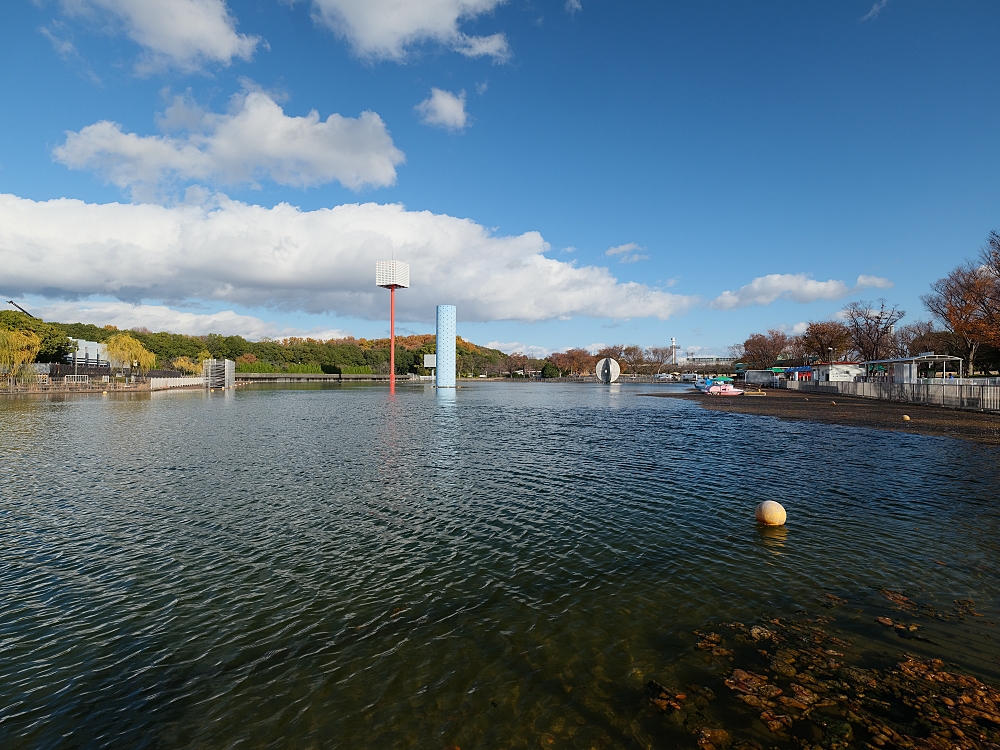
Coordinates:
<point>256,139</point>
<point>444,109</point>
<point>182,34</point>
<point>797,287</point>
<point>313,261</point>
<point>163,318</point>
<point>385,29</point>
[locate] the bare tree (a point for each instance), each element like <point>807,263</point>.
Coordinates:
<point>633,358</point>
<point>917,337</point>
<point>659,355</point>
<point>873,329</point>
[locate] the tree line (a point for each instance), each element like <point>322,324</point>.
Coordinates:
<point>25,339</point>
<point>964,309</point>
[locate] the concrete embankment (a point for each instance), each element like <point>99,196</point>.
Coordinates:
<point>312,377</point>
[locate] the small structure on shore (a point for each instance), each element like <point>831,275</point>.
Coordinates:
<point>445,358</point>
<point>940,367</point>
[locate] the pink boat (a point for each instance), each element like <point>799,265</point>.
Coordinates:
<point>723,389</point>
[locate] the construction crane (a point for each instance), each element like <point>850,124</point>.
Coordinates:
<point>12,302</point>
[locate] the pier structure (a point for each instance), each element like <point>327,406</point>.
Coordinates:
<point>447,316</point>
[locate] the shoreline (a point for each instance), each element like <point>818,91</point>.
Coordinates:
<point>850,411</point>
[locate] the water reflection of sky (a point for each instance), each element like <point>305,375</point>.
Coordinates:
<point>308,563</point>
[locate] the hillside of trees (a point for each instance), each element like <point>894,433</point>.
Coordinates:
<point>179,351</point>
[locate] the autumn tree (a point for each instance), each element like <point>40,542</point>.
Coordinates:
<point>574,361</point>
<point>614,351</point>
<point>873,329</point>
<point>514,362</point>
<point>989,293</point>
<point>125,352</point>
<point>760,351</point>
<point>820,337</point>
<point>957,303</point>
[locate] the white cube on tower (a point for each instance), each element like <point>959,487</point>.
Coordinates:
<point>392,273</point>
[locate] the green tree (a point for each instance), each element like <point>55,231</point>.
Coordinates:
<point>549,370</point>
<point>53,342</point>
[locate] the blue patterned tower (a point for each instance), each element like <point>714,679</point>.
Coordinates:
<point>447,317</point>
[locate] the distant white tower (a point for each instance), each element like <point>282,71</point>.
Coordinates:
<point>447,316</point>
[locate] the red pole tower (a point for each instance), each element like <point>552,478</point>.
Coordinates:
<point>392,275</point>
<point>392,339</point>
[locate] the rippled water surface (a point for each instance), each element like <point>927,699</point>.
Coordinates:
<point>503,566</point>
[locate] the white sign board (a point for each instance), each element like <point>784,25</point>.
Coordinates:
<point>430,360</point>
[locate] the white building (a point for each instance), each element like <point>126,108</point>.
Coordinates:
<point>88,353</point>
<point>834,372</point>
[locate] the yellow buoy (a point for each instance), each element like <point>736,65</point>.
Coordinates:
<point>906,417</point>
<point>834,403</point>
<point>771,513</point>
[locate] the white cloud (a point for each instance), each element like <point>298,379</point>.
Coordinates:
<point>877,8</point>
<point>384,29</point>
<point>627,253</point>
<point>444,110</point>
<point>255,139</point>
<point>315,261</point>
<point>57,35</point>
<point>573,6</point>
<point>512,347</point>
<point>183,34</point>
<point>878,282</point>
<point>797,287</point>
<point>163,318</point>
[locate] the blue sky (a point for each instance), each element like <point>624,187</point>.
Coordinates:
<point>566,173</point>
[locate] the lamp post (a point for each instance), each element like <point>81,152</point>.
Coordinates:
<point>392,275</point>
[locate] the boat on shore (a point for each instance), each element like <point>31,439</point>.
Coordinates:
<point>723,389</point>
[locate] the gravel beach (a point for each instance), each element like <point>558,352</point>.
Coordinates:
<point>979,427</point>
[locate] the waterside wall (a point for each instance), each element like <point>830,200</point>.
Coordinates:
<point>978,397</point>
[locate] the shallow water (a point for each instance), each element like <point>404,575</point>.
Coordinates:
<point>501,566</point>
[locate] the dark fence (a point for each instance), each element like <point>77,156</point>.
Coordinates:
<point>62,370</point>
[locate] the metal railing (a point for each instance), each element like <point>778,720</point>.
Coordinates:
<point>956,396</point>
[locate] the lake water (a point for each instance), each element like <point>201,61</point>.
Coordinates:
<point>502,566</point>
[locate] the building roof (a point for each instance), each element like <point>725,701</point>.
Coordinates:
<point>926,357</point>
